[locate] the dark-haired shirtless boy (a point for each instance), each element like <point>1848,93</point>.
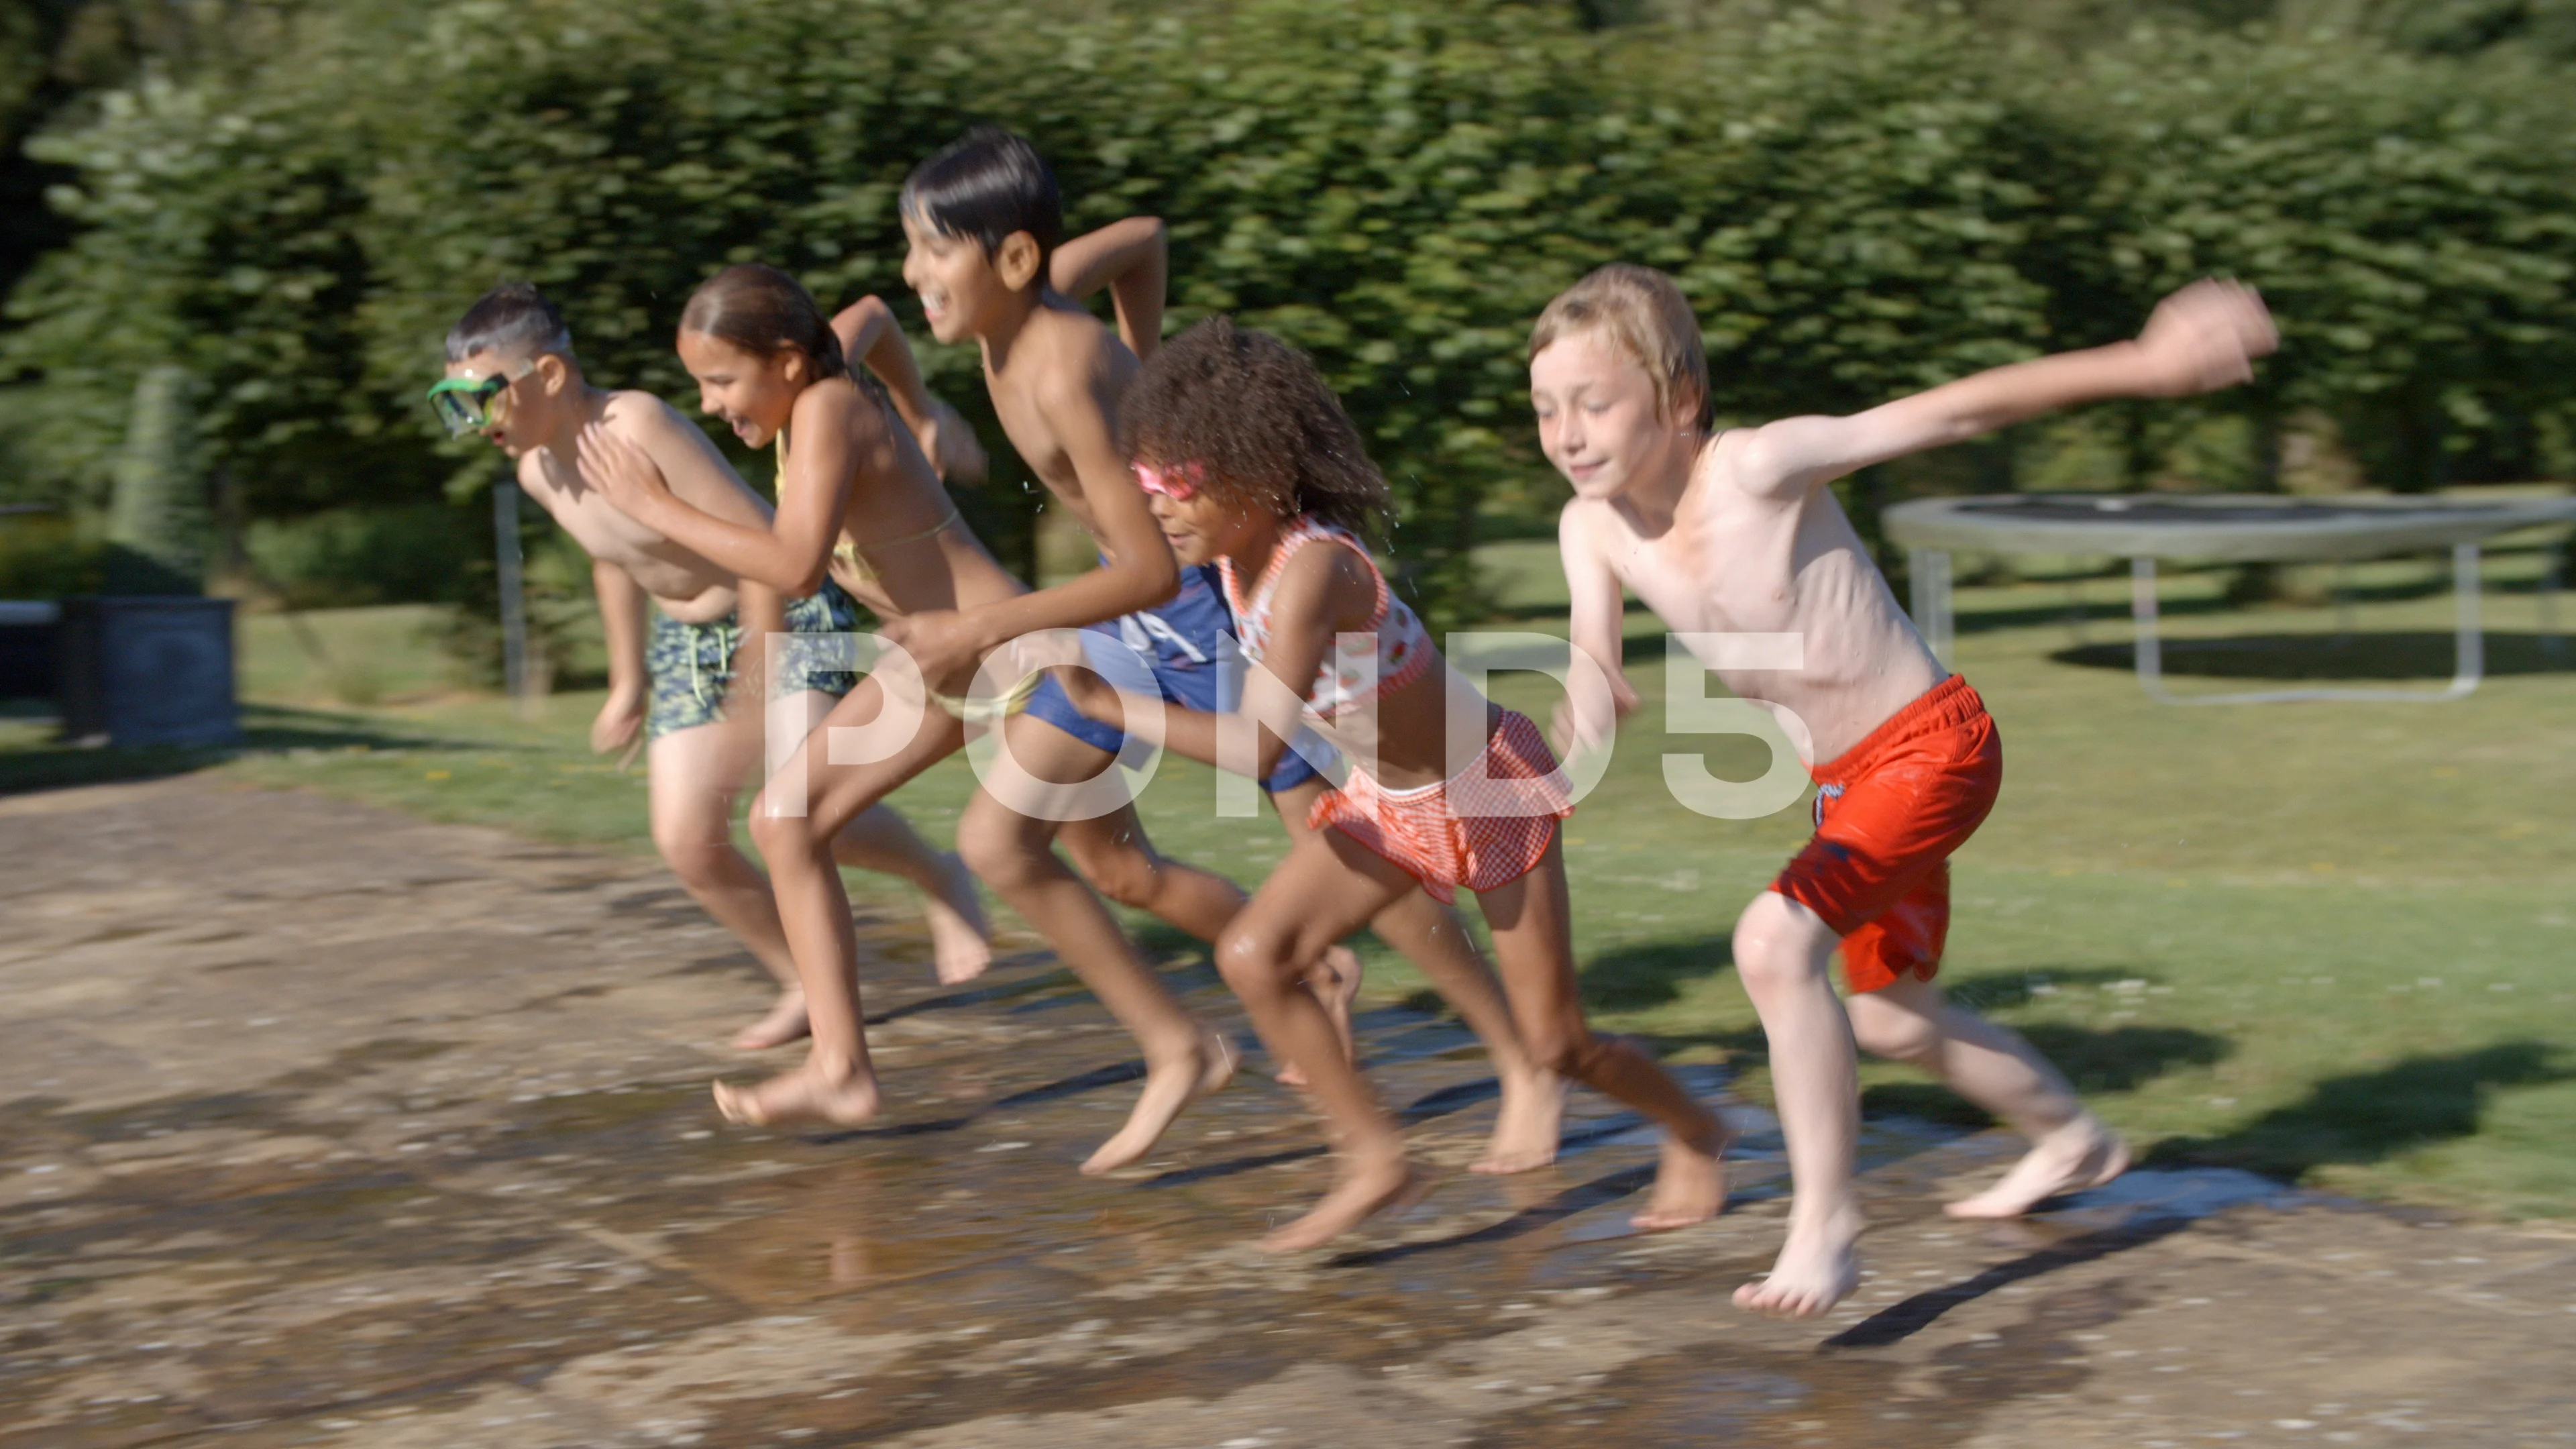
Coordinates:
<point>676,625</point>
<point>985,224</point>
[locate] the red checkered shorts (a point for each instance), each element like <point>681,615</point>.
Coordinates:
<point>1486,826</point>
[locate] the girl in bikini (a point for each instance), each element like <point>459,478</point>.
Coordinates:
<point>857,499</point>
<point>1249,462</point>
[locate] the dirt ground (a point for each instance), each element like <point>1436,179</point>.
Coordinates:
<point>330,1127</point>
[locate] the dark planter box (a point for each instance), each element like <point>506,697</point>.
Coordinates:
<point>30,647</point>
<point>149,671</point>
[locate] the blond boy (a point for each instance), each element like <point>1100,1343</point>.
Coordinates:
<point>1735,532</point>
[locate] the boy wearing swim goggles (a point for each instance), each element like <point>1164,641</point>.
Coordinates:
<point>678,627</point>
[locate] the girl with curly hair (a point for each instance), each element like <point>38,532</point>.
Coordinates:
<point>1249,462</point>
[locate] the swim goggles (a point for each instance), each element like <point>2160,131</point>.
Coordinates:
<point>1179,484</point>
<point>464,404</point>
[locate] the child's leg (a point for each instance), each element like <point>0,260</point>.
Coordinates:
<point>883,841</point>
<point>1992,1066</point>
<point>1532,921</point>
<point>1782,952</point>
<point>694,776</point>
<point>836,1084</point>
<point>1014,854</point>
<point>1326,888</point>
<point>1114,855</point>
<point>1527,1122</point>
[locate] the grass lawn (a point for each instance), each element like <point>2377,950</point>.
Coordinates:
<point>2328,941</point>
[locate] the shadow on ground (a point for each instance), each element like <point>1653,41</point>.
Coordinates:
<point>2372,1116</point>
<point>2099,1063</point>
<point>54,766</point>
<point>1652,973</point>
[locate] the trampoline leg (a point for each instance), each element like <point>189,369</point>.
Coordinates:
<point>2551,646</point>
<point>1931,569</point>
<point>2471,665</point>
<point>2150,649</point>
<point>2466,672</point>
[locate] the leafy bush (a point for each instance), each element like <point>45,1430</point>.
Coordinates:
<point>1862,200</point>
<point>47,557</point>
<point>348,556</point>
<point>159,528</point>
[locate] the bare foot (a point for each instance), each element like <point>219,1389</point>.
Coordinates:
<point>784,1023</point>
<point>1527,1127</point>
<point>961,943</point>
<point>1365,1188</point>
<point>2082,1154</point>
<point>800,1098</point>
<point>1817,1268</point>
<point>1343,965</point>
<point>1169,1091</point>
<point>1690,1182</point>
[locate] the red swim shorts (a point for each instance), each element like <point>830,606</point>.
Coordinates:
<point>1889,812</point>
<point>1485,827</point>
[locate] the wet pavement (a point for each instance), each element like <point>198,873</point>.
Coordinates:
<point>329,1127</point>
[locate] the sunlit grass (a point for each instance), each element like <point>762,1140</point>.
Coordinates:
<point>2328,941</point>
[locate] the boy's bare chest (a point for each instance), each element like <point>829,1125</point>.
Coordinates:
<point>1034,438</point>
<point>597,524</point>
<point>608,533</point>
<point>1731,567</point>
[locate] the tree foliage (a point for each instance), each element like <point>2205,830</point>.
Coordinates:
<point>157,528</point>
<point>1861,201</point>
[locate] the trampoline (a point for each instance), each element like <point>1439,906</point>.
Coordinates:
<point>2216,528</point>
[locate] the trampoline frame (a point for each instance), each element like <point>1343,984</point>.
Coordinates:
<point>1933,616</point>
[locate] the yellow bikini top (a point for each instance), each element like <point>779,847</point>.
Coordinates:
<point>845,552</point>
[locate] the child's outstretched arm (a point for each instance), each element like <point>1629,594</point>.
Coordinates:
<point>873,339</point>
<point>1321,592</point>
<point>2202,338</point>
<point>1132,258</point>
<point>1140,571</point>
<point>1268,706</point>
<point>1594,628</point>
<point>644,457</point>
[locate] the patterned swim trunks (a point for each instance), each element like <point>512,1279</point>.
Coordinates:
<point>692,664</point>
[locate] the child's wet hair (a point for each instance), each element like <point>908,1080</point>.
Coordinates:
<point>513,320</point>
<point>986,185</point>
<point>1643,314</point>
<point>765,312</point>
<point>1260,422</point>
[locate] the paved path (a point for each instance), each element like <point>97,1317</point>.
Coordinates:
<point>330,1127</point>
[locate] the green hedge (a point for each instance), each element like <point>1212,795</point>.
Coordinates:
<point>49,557</point>
<point>1861,201</point>
<point>416,553</point>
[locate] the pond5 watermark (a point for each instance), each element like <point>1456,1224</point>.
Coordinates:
<point>1003,684</point>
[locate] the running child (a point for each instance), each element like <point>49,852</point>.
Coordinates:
<point>675,623</point>
<point>857,496</point>
<point>1736,532</point>
<point>1253,466</point>
<point>984,219</point>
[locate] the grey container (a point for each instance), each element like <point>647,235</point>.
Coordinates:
<point>149,670</point>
